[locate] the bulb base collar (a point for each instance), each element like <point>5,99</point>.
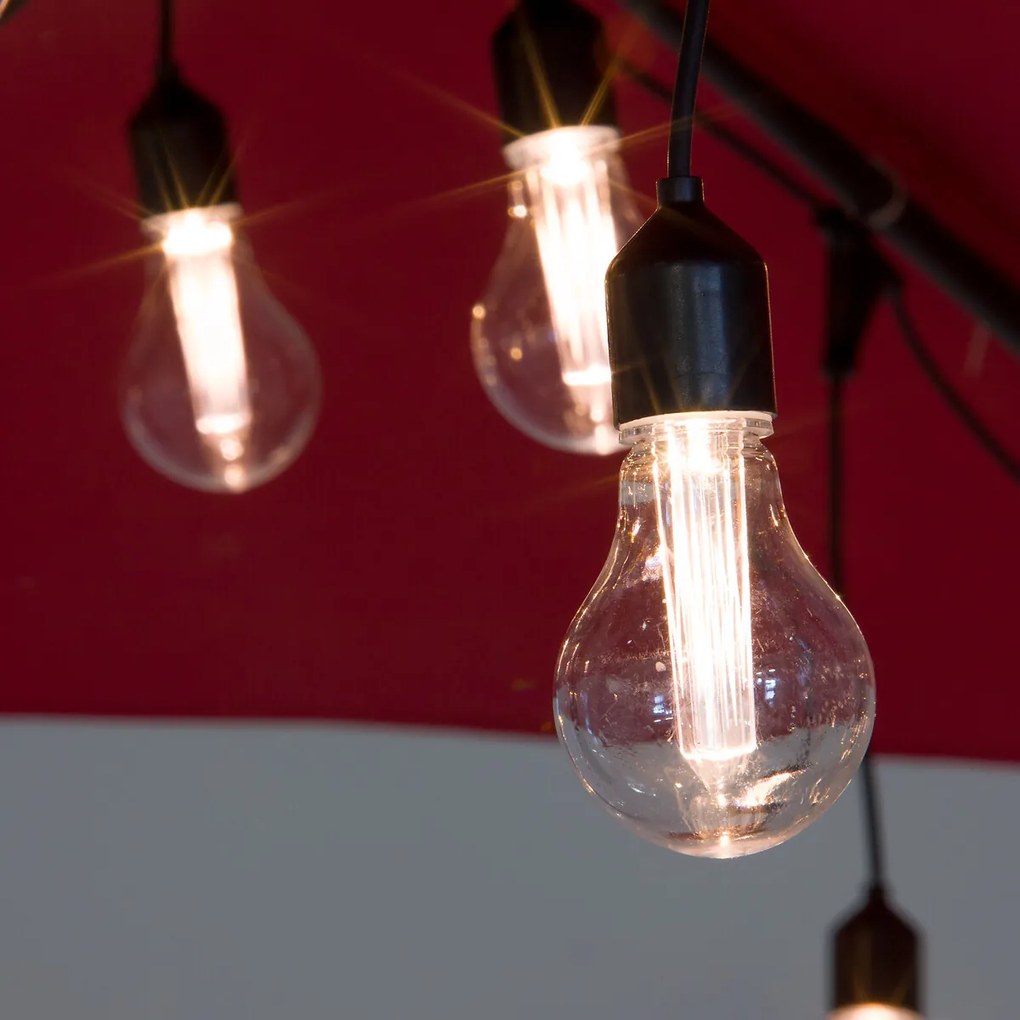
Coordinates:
<point>550,59</point>
<point>876,959</point>
<point>688,308</point>
<point>180,148</point>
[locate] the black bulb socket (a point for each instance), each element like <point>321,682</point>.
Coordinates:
<point>876,959</point>
<point>181,149</point>
<point>688,308</point>
<point>550,60</point>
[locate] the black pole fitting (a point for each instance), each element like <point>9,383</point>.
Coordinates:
<point>551,62</point>
<point>688,310</point>
<point>180,148</point>
<point>859,276</point>
<point>877,959</point>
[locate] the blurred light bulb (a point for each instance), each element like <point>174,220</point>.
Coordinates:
<point>712,691</point>
<point>539,334</point>
<point>873,1011</point>
<point>221,387</point>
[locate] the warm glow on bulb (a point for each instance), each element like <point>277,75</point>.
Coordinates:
<point>873,1011</point>
<point>567,181</point>
<point>198,248</point>
<point>701,517</point>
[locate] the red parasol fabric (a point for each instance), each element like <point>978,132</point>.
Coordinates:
<point>421,562</point>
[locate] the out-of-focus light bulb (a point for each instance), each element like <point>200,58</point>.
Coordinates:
<point>221,387</point>
<point>539,335</point>
<point>873,1011</point>
<point>713,692</point>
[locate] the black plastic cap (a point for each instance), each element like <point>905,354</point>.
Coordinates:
<point>688,308</point>
<point>550,62</point>
<point>181,151</point>
<point>877,959</point>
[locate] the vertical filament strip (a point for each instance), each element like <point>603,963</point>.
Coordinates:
<point>568,187</point>
<point>701,516</point>
<point>198,247</point>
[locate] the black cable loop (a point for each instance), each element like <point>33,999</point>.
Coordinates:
<point>963,411</point>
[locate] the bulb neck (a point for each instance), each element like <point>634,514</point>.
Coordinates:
<point>550,59</point>
<point>688,310</point>
<point>562,145</point>
<point>749,426</point>
<point>181,152</point>
<point>160,226</point>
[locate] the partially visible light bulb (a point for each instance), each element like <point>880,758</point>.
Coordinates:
<point>539,334</point>
<point>712,691</point>
<point>873,1011</point>
<point>221,387</point>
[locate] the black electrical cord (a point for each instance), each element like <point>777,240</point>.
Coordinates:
<point>869,791</point>
<point>909,331</point>
<point>165,55</point>
<point>750,152</point>
<point>685,89</point>
<point>957,404</point>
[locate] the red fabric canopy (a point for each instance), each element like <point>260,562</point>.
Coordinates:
<point>421,562</point>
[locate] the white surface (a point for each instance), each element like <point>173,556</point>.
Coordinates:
<point>184,873</point>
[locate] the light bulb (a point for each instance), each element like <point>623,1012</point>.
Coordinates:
<point>713,692</point>
<point>539,336</point>
<point>873,1011</point>
<point>221,387</point>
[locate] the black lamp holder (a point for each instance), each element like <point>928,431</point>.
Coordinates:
<point>550,60</point>
<point>865,190</point>
<point>179,140</point>
<point>687,298</point>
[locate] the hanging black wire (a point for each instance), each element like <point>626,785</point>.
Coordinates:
<point>165,51</point>
<point>750,152</point>
<point>685,89</point>
<point>959,407</point>
<point>911,336</point>
<point>837,478</point>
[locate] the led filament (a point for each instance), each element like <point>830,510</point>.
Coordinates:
<point>701,515</point>
<point>197,245</point>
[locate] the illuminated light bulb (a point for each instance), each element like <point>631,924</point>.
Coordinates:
<point>221,388</point>
<point>712,691</point>
<point>538,335</point>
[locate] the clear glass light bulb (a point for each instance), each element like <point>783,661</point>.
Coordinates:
<point>713,692</point>
<point>873,1011</point>
<point>221,387</point>
<point>539,334</point>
